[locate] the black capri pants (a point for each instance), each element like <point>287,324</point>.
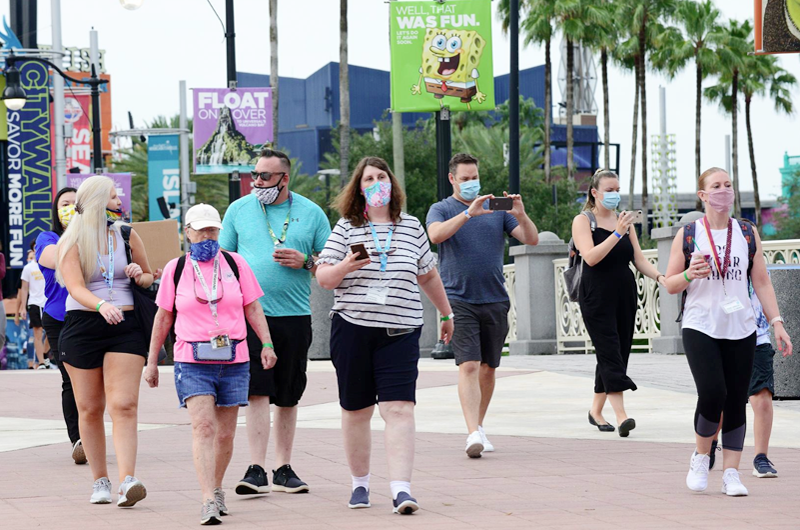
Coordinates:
<point>721,369</point>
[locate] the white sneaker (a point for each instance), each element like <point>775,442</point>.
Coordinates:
<point>102,491</point>
<point>487,445</point>
<point>130,492</point>
<point>78,454</point>
<point>474,445</point>
<point>697,479</point>
<point>732,485</point>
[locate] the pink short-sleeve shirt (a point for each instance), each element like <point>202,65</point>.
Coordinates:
<point>194,319</point>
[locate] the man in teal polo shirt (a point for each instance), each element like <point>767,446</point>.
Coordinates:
<point>277,232</point>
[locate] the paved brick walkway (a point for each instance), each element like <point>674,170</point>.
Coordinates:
<point>530,481</point>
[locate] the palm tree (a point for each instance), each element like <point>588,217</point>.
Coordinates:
<point>273,65</point>
<point>758,73</point>
<point>700,23</point>
<point>626,56</point>
<point>344,95</point>
<point>537,26</point>
<point>644,22</point>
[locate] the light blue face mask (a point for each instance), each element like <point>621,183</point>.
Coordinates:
<point>610,200</point>
<point>470,189</point>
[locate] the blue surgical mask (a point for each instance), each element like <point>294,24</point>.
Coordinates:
<point>610,200</point>
<point>470,189</point>
<point>204,250</point>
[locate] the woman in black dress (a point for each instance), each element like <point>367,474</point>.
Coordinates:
<point>608,296</point>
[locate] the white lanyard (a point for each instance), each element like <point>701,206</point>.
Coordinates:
<point>210,296</point>
<point>108,275</point>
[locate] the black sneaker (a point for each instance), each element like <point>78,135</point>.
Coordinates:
<point>712,455</point>
<point>763,468</point>
<point>286,480</point>
<point>254,482</point>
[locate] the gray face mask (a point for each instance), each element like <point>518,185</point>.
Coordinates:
<point>269,195</point>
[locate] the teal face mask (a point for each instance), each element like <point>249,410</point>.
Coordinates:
<point>470,189</point>
<point>610,200</point>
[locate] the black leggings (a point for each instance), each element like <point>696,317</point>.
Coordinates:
<point>52,328</point>
<point>721,369</point>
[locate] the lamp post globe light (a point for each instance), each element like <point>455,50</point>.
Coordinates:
<point>13,95</point>
<point>131,5</point>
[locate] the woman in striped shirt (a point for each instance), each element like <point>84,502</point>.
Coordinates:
<point>377,319</point>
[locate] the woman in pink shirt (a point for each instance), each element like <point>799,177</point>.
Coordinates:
<point>215,291</point>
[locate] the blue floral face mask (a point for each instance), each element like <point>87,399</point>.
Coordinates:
<point>204,250</point>
<point>379,194</point>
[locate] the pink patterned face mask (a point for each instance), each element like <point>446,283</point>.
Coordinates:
<point>721,199</point>
<point>379,194</point>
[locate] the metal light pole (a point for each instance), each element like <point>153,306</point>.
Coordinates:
<point>443,152</point>
<point>513,101</point>
<point>234,182</point>
<point>97,141</point>
<point>58,98</point>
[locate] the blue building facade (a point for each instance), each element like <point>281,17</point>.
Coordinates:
<point>308,109</point>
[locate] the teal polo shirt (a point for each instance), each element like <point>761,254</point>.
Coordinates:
<point>244,230</point>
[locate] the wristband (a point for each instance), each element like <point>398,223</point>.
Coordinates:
<point>466,213</point>
<point>687,277</point>
<point>268,345</point>
<point>619,236</point>
<point>448,317</point>
<point>776,320</point>
<point>97,307</point>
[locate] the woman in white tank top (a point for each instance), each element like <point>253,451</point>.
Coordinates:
<point>719,326</point>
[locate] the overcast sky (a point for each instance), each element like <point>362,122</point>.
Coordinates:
<point>149,50</point>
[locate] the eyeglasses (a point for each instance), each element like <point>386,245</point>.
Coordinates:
<point>266,175</point>
<point>201,300</point>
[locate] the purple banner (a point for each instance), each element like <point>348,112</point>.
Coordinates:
<point>122,181</point>
<point>230,127</point>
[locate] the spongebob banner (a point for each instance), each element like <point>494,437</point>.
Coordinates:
<point>777,26</point>
<point>442,55</point>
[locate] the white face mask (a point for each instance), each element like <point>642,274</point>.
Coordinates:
<point>269,195</point>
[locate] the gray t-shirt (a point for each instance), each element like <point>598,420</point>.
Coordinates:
<point>471,261</point>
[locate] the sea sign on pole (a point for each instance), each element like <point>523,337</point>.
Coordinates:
<point>777,26</point>
<point>78,147</point>
<point>163,176</point>
<point>441,55</point>
<point>30,195</point>
<point>230,128</point>
<point>122,181</point>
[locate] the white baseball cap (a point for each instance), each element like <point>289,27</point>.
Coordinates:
<point>202,216</point>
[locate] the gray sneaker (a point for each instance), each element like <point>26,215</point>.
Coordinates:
<point>209,514</point>
<point>219,498</point>
<point>131,491</point>
<point>101,491</point>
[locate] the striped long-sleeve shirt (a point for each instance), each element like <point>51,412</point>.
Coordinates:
<point>410,256</point>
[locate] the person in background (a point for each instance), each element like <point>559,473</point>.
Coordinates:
<point>376,322</point>
<point>102,343</point>
<point>607,294</point>
<point>30,303</point>
<point>212,370</point>
<point>472,244</point>
<point>719,330</point>
<point>55,308</point>
<point>277,232</point>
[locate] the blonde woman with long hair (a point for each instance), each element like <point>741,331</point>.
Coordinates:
<point>102,345</point>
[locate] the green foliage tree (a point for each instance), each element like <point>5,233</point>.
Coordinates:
<point>787,219</point>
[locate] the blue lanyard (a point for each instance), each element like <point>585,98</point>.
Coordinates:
<point>383,252</point>
<point>108,275</point>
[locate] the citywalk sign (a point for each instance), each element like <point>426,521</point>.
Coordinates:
<point>30,183</point>
<point>777,26</point>
<point>441,55</point>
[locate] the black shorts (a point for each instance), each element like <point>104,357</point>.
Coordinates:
<point>87,337</point>
<point>52,328</point>
<point>286,381</point>
<point>480,331</point>
<point>763,375</point>
<point>35,314</point>
<point>372,366</point>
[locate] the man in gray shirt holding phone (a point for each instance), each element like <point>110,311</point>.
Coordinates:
<point>471,243</point>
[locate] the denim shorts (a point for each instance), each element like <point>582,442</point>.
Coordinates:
<point>228,383</point>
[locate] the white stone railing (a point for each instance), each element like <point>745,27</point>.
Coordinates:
<point>571,334</point>
<point>509,275</point>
